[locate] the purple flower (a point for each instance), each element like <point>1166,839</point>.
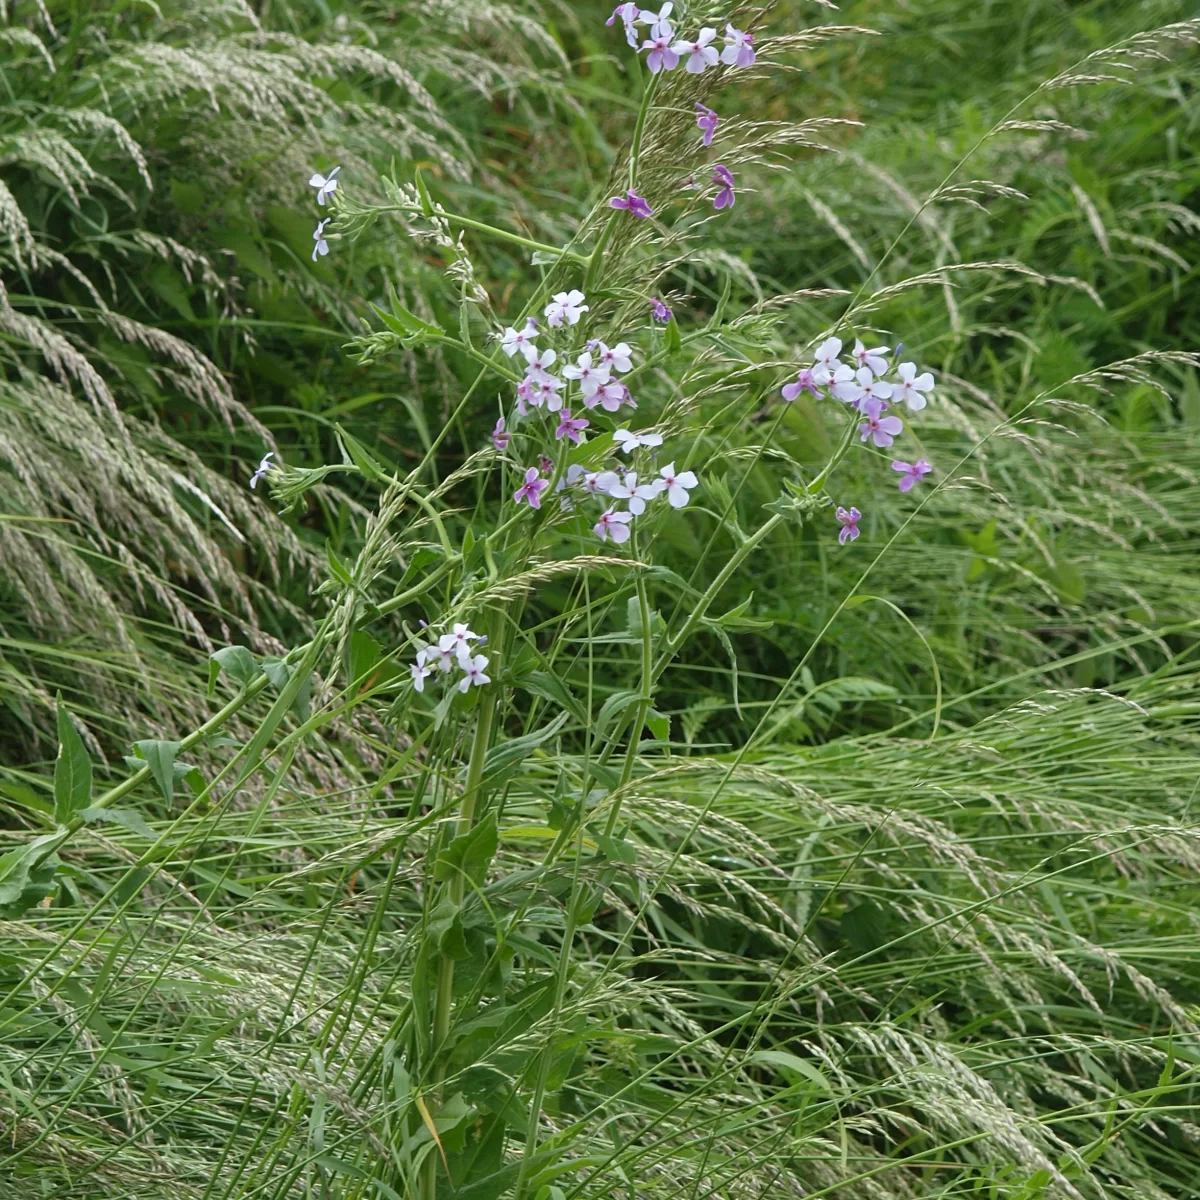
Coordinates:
<point>803,383</point>
<point>610,397</point>
<point>628,14</point>
<point>571,427</point>
<point>661,57</point>
<point>613,525</point>
<point>500,439</point>
<point>700,53</point>
<point>547,464</point>
<point>878,427</point>
<point>722,175</point>
<point>635,205</point>
<point>739,48</point>
<point>707,120</point>
<point>911,473</point>
<point>531,489</point>
<point>526,396</point>
<point>659,311</point>
<point>849,522</point>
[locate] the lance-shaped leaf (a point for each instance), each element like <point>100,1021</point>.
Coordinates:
<point>72,770</point>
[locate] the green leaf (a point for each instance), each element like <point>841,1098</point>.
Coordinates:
<point>446,929</point>
<point>160,758</point>
<point>336,567</point>
<point>355,452</point>
<point>789,1063</point>
<point>125,817</point>
<point>673,342</point>
<point>423,192</point>
<point>469,854</point>
<point>500,759</point>
<point>659,724</point>
<point>614,707</point>
<point>72,769</point>
<point>237,662</point>
<point>735,619</point>
<point>550,687</point>
<point>363,653</point>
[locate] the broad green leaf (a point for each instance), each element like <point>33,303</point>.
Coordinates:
<point>72,770</point>
<point>127,818</point>
<point>469,854</point>
<point>506,755</point>
<point>551,687</point>
<point>160,758</point>
<point>237,662</point>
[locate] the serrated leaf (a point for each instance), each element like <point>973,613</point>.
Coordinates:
<point>160,758</point>
<point>72,769</point>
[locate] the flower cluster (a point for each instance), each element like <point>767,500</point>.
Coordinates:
<point>451,650</point>
<point>666,51</point>
<point>861,384</point>
<point>624,485</point>
<point>548,381</point>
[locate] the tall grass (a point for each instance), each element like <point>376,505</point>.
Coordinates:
<point>883,889</point>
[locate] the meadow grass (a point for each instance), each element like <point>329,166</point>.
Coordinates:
<point>770,867</point>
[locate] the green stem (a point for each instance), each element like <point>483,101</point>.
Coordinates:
<point>635,151</point>
<point>482,227</point>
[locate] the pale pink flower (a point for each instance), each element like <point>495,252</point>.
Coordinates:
<point>613,525</point>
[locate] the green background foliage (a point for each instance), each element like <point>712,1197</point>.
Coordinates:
<point>930,933</point>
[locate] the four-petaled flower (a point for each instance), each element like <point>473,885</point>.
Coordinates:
<point>912,385</point>
<point>859,386</point>
<point>637,494</point>
<point>611,396</point>
<point>739,48</point>
<point>600,483</point>
<point>656,20</point>
<point>618,357</point>
<point>700,54</point>
<point>538,363</point>
<point>707,120</point>
<point>872,359</point>
<point>500,439</point>
<point>882,430</point>
<point>677,486</point>
<point>911,473</point>
<point>322,246</point>
<point>325,184</point>
<point>849,522</point>
<point>565,307</point>
<point>547,393</point>
<point>613,525</point>
<point>473,671</point>
<point>628,442</point>
<point>826,361</point>
<point>659,311</point>
<point>420,672</point>
<point>662,56</point>
<point>591,376</point>
<point>513,340</point>
<point>264,467</point>
<point>725,197</point>
<point>531,490</point>
<point>571,427</point>
<point>635,205</point>
<point>458,640</point>
<point>803,383</point>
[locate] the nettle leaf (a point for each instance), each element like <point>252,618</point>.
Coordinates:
<point>72,769</point>
<point>470,854</point>
<point>160,758</point>
<point>237,662</point>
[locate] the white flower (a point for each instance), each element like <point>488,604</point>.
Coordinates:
<point>601,483</point>
<point>826,361</point>
<point>419,673</point>
<point>700,53</point>
<point>911,386</point>
<point>565,307</point>
<point>629,442</point>
<point>610,396</point>
<point>637,495</point>
<point>266,465</point>
<point>870,358</point>
<point>322,246</point>
<point>513,340</point>
<point>613,525</point>
<point>618,358</point>
<point>473,670</point>
<point>547,393</point>
<point>592,377</point>
<point>456,641</point>
<point>325,184</point>
<point>539,362</point>
<point>657,20</point>
<point>677,486</point>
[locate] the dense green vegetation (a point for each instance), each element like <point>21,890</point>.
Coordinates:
<point>892,892</point>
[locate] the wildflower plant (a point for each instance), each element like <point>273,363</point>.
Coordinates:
<point>488,1042</point>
